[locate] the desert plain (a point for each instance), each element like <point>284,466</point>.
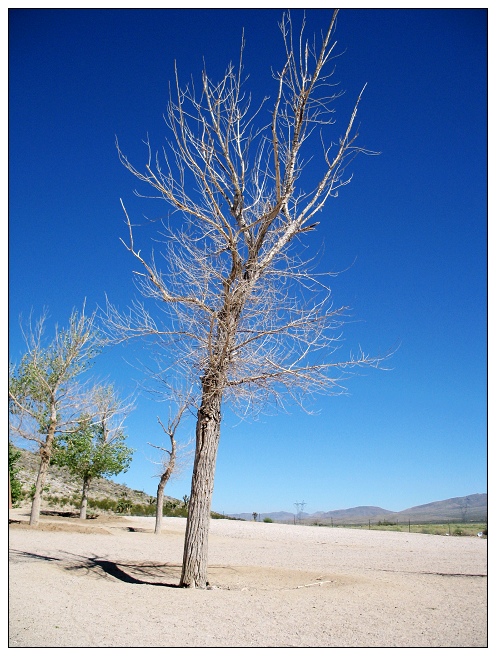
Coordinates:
<point>111,582</point>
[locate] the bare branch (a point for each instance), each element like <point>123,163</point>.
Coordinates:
<point>229,304</point>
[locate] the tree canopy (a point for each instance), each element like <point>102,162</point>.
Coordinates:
<point>46,394</point>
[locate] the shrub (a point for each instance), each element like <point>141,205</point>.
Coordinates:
<point>16,492</point>
<point>32,490</point>
<point>142,510</point>
<point>268,520</point>
<point>459,531</point>
<point>124,506</point>
<point>103,504</point>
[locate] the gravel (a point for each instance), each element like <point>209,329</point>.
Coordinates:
<point>111,582</point>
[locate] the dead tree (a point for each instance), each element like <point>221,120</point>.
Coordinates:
<point>172,463</point>
<point>246,317</point>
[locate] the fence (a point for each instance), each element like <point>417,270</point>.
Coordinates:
<point>449,526</point>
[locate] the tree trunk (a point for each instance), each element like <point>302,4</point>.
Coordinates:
<point>40,482</point>
<point>84,498</point>
<point>45,455</point>
<point>195,557</point>
<point>160,507</point>
<point>163,480</point>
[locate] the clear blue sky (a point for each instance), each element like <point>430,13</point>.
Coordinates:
<point>413,224</point>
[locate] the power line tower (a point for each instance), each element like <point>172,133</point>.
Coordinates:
<point>299,509</point>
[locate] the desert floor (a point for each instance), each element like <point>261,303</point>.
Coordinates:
<point>110,582</point>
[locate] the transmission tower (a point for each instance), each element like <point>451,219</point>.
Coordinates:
<point>299,509</point>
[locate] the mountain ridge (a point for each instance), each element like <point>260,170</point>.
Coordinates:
<point>470,508</point>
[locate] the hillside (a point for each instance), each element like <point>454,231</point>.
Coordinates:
<point>353,513</point>
<point>61,484</point>
<point>467,509</point>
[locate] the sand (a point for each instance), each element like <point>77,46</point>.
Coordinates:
<point>110,582</point>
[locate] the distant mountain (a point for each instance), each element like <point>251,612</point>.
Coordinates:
<point>471,508</point>
<point>357,513</point>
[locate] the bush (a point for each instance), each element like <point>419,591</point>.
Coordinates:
<point>103,504</point>
<point>16,492</point>
<point>124,506</point>
<point>142,510</point>
<point>268,520</point>
<point>32,490</point>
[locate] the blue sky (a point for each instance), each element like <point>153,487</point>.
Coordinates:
<point>409,234</point>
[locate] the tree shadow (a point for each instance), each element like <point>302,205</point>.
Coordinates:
<point>115,570</point>
<point>127,572</point>
<point>34,556</point>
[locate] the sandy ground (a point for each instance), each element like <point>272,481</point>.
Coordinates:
<point>113,583</point>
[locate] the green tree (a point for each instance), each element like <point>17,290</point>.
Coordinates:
<point>97,448</point>
<point>14,482</point>
<point>46,397</point>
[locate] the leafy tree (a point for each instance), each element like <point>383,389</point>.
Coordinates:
<point>247,316</point>
<point>97,447</point>
<point>45,394</point>
<point>14,483</point>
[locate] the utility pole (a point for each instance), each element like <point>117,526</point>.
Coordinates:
<point>299,508</point>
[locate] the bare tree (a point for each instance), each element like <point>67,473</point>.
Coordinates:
<point>173,461</point>
<point>246,317</point>
<point>45,395</point>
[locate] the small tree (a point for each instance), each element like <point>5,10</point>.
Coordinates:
<point>176,458</point>
<point>169,464</point>
<point>97,448</point>
<point>45,396</point>
<point>15,487</point>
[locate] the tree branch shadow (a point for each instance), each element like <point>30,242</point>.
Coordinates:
<point>117,571</point>
<point>126,572</point>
